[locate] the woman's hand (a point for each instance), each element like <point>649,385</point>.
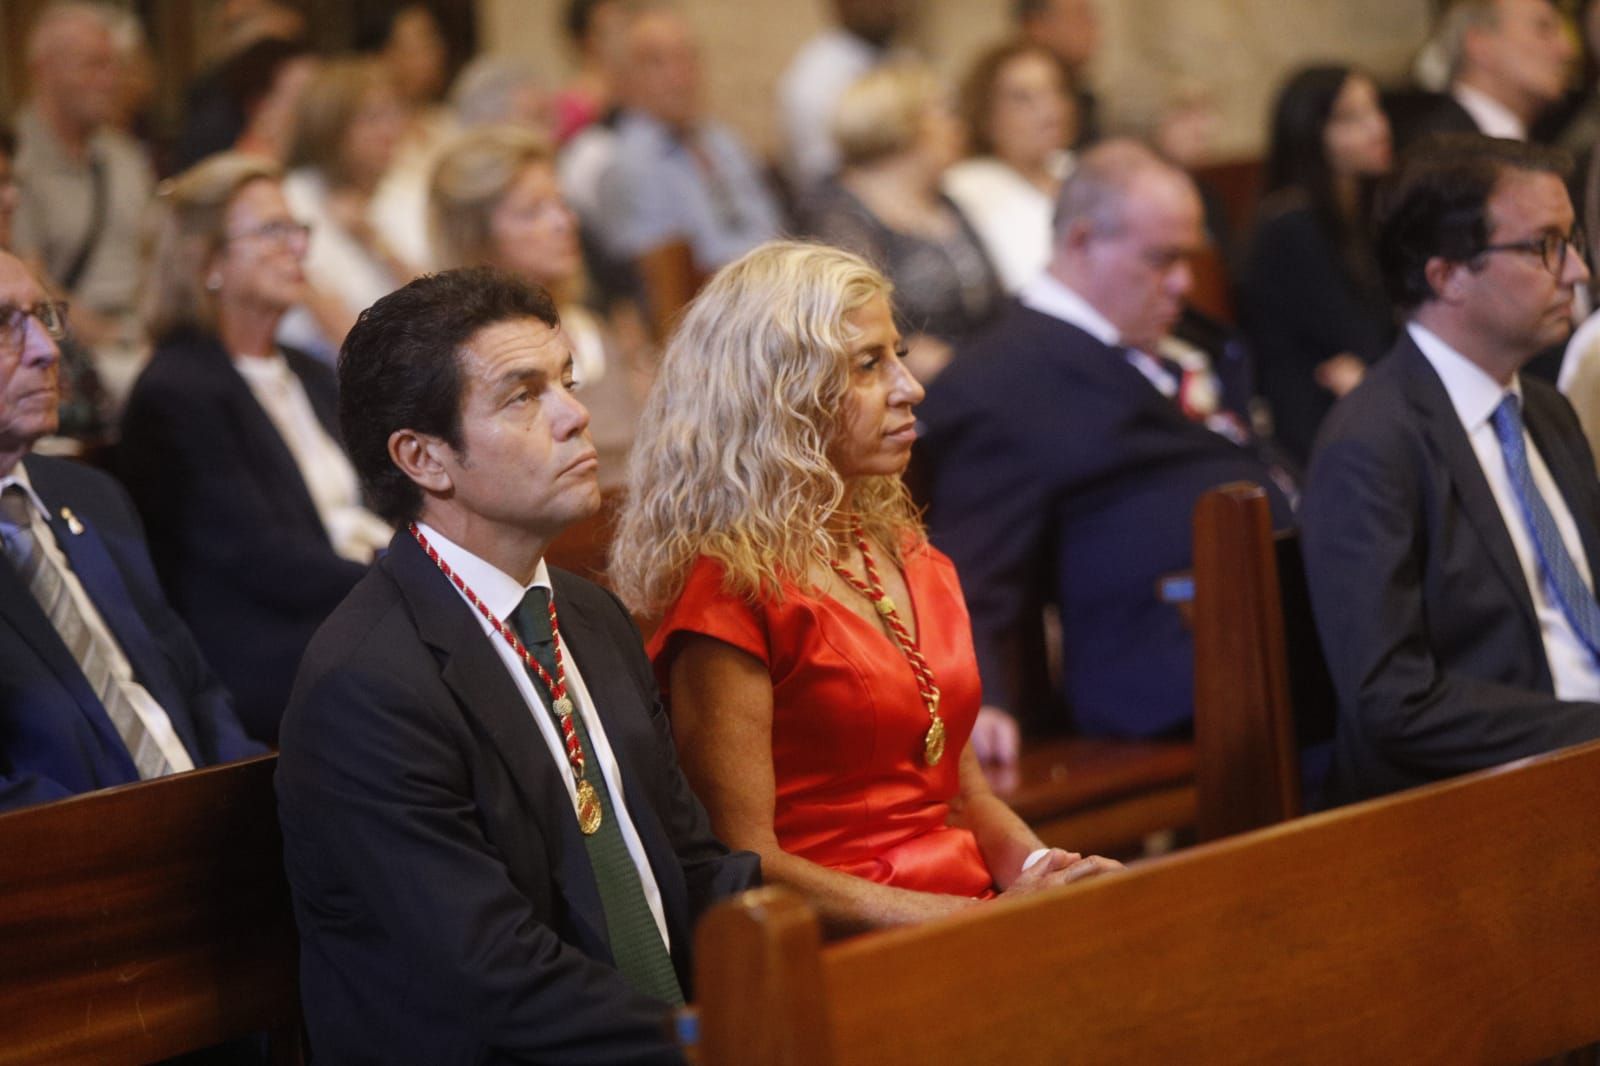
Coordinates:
<point>1341,373</point>
<point>1059,867</point>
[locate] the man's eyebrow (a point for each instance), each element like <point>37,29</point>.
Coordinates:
<point>532,377</point>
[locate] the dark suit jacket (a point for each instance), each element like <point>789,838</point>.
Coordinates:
<point>1424,614</point>
<point>55,736</point>
<point>1416,113</point>
<point>233,531</point>
<point>447,909</point>
<point>1303,304</point>
<point>1059,470</point>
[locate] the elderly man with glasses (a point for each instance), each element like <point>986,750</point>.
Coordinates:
<point>100,683</point>
<point>1451,520</point>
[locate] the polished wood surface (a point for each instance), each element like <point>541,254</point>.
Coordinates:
<point>1262,690</point>
<point>1094,795</point>
<point>1456,923</point>
<point>145,921</point>
<point>670,281</point>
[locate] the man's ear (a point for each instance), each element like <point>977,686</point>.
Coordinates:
<point>1447,278</point>
<point>1080,231</point>
<point>420,457</point>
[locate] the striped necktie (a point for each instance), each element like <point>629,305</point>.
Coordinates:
<point>636,941</point>
<point>1571,593</point>
<point>41,573</point>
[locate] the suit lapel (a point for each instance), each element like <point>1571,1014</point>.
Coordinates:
<point>617,704</point>
<point>1460,462</point>
<point>474,672</point>
<point>19,610</point>
<point>264,443</point>
<point>90,560</point>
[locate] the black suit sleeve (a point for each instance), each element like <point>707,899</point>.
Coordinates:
<point>991,514</point>
<point>1362,537</point>
<point>187,464</point>
<point>1300,312</point>
<point>222,736</point>
<point>710,871</point>
<point>28,789</point>
<point>378,799</point>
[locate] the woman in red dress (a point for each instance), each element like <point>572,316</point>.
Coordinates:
<point>815,649</point>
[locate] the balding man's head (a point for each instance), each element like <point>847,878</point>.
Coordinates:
<point>1126,224</point>
<point>72,63</point>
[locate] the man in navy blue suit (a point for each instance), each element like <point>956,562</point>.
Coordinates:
<point>1068,446</point>
<point>100,683</point>
<point>1451,525</point>
<point>493,853</point>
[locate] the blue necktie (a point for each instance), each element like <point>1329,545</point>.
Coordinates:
<point>1573,596</point>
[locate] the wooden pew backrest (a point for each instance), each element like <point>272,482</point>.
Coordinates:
<point>1455,923</point>
<point>148,920</point>
<point>1262,691</point>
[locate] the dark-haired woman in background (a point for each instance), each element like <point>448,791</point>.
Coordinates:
<point>1313,301</point>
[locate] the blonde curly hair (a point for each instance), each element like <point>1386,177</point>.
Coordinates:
<point>731,456</point>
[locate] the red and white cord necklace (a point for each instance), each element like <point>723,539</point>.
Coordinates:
<point>873,590</point>
<point>589,809</point>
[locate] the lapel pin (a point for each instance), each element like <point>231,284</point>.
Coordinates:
<point>73,525</point>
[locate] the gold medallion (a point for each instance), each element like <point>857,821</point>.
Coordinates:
<point>885,605</point>
<point>563,707</point>
<point>933,743</point>
<point>589,804</point>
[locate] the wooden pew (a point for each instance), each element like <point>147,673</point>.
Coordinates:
<point>1455,923</point>
<point>1106,796</point>
<point>1262,690</point>
<point>145,921</point>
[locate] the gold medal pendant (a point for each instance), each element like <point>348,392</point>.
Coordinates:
<point>563,707</point>
<point>589,804</point>
<point>933,742</point>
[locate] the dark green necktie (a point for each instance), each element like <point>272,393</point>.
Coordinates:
<point>635,939</point>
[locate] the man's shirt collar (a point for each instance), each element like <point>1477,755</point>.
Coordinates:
<point>498,590</point>
<point>1473,393</point>
<point>1049,295</point>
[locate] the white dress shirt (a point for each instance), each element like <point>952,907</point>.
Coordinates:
<point>1475,395</point>
<point>1494,119</point>
<point>1011,214</point>
<point>1048,295</point>
<point>156,721</point>
<point>355,532</point>
<point>501,593</point>
<point>808,95</point>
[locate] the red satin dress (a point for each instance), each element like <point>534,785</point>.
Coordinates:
<point>853,790</point>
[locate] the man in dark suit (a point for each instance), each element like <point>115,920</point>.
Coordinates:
<point>1451,521</point>
<point>1508,64</point>
<point>1067,454</point>
<point>100,683</point>
<point>493,854</point>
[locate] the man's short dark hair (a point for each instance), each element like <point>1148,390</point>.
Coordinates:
<point>400,368</point>
<point>1437,205</point>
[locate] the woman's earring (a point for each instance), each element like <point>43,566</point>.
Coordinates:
<point>214,282</point>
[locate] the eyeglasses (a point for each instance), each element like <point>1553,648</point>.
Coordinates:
<point>281,231</point>
<point>1550,248</point>
<point>52,315</point>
